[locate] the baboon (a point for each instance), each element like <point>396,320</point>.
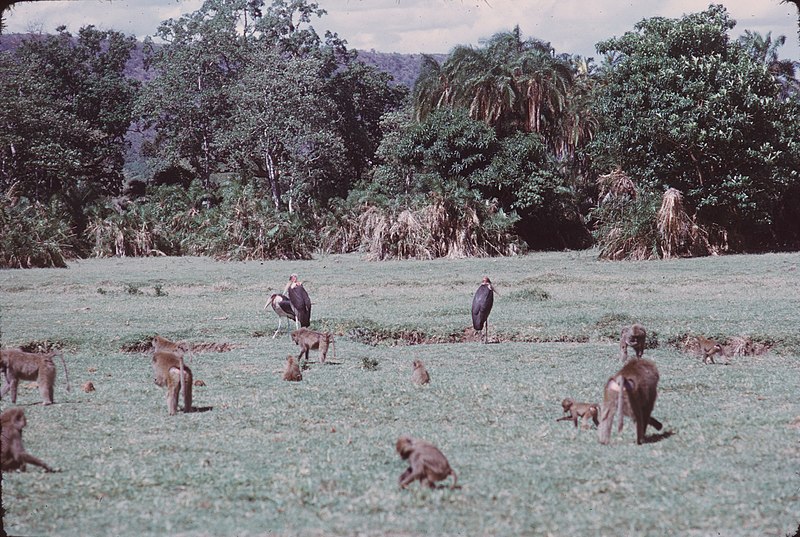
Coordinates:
<point>292,371</point>
<point>169,371</point>
<point>630,392</point>
<point>18,364</point>
<point>12,453</point>
<point>708,347</point>
<point>166,345</point>
<point>420,375</point>
<point>199,382</point>
<point>427,463</point>
<point>579,410</point>
<point>88,386</point>
<point>309,339</point>
<point>632,336</point>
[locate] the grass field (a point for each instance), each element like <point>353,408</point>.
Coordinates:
<point>269,457</point>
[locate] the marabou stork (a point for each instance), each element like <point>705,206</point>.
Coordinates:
<point>301,303</point>
<point>482,307</point>
<point>282,308</point>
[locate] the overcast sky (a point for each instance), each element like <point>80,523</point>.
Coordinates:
<point>431,26</point>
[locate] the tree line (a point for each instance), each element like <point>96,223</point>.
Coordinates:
<point>265,139</point>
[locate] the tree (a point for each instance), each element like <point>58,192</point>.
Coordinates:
<point>685,108</point>
<point>187,102</point>
<point>362,95</point>
<point>254,91</point>
<point>510,83</point>
<point>455,157</point>
<point>764,50</point>
<point>285,128</point>
<point>65,115</point>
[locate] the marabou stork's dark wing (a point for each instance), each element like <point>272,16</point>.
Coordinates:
<point>301,304</point>
<point>283,307</point>
<point>481,306</point>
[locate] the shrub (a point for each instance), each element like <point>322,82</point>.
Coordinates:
<point>439,228</point>
<point>33,234</point>
<point>175,221</point>
<point>626,227</point>
<point>246,226</point>
<point>633,224</point>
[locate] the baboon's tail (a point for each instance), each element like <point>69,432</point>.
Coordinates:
<point>66,375</point>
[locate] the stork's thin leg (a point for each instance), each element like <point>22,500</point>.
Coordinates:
<point>279,328</point>
<point>486,332</point>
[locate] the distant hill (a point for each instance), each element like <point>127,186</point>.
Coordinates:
<point>404,68</point>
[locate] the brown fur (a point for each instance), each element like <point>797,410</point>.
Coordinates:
<point>420,375</point>
<point>292,371</point>
<point>170,371</point>
<point>579,410</point>
<point>630,392</point>
<point>708,348</point>
<point>427,463</point>
<point>18,364</point>
<point>12,453</point>
<point>309,339</point>
<point>634,336</point>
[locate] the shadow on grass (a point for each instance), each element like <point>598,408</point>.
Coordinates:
<point>653,438</point>
<point>202,408</point>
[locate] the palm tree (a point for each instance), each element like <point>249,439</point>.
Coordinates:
<point>510,83</point>
<point>579,122</point>
<point>764,50</point>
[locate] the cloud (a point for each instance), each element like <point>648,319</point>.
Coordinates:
<point>432,26</point>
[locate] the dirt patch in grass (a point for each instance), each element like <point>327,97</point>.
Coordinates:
<point>371,334</point>
<point>144,344</point>
<point>45,345</point>
<point>731,346</point>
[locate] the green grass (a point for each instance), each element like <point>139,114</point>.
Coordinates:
<point>317,457</point>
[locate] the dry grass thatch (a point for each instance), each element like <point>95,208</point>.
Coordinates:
<point>732,346</point>
<point>674,225</point>
<point>618,246</point>
<point>616,184</point>
<point>433,231</point>
<point>681,236</point>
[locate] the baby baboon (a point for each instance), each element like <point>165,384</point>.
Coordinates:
<point>309,339</point>
<point>169,371</point>
<point>631,392</point>
<point>579,410</point>
<point>18,364</point>
<point>632,336</point>
<point>88,386</point>
<point>420,375</point>
<point>427,463</point>
<point>12,453</point>
<point>292,371</point>
<point>709,347</point>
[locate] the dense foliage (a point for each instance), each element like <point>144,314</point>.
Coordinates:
<point>66,109</point>
<point>278,141</point>
<point>687,108</point>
